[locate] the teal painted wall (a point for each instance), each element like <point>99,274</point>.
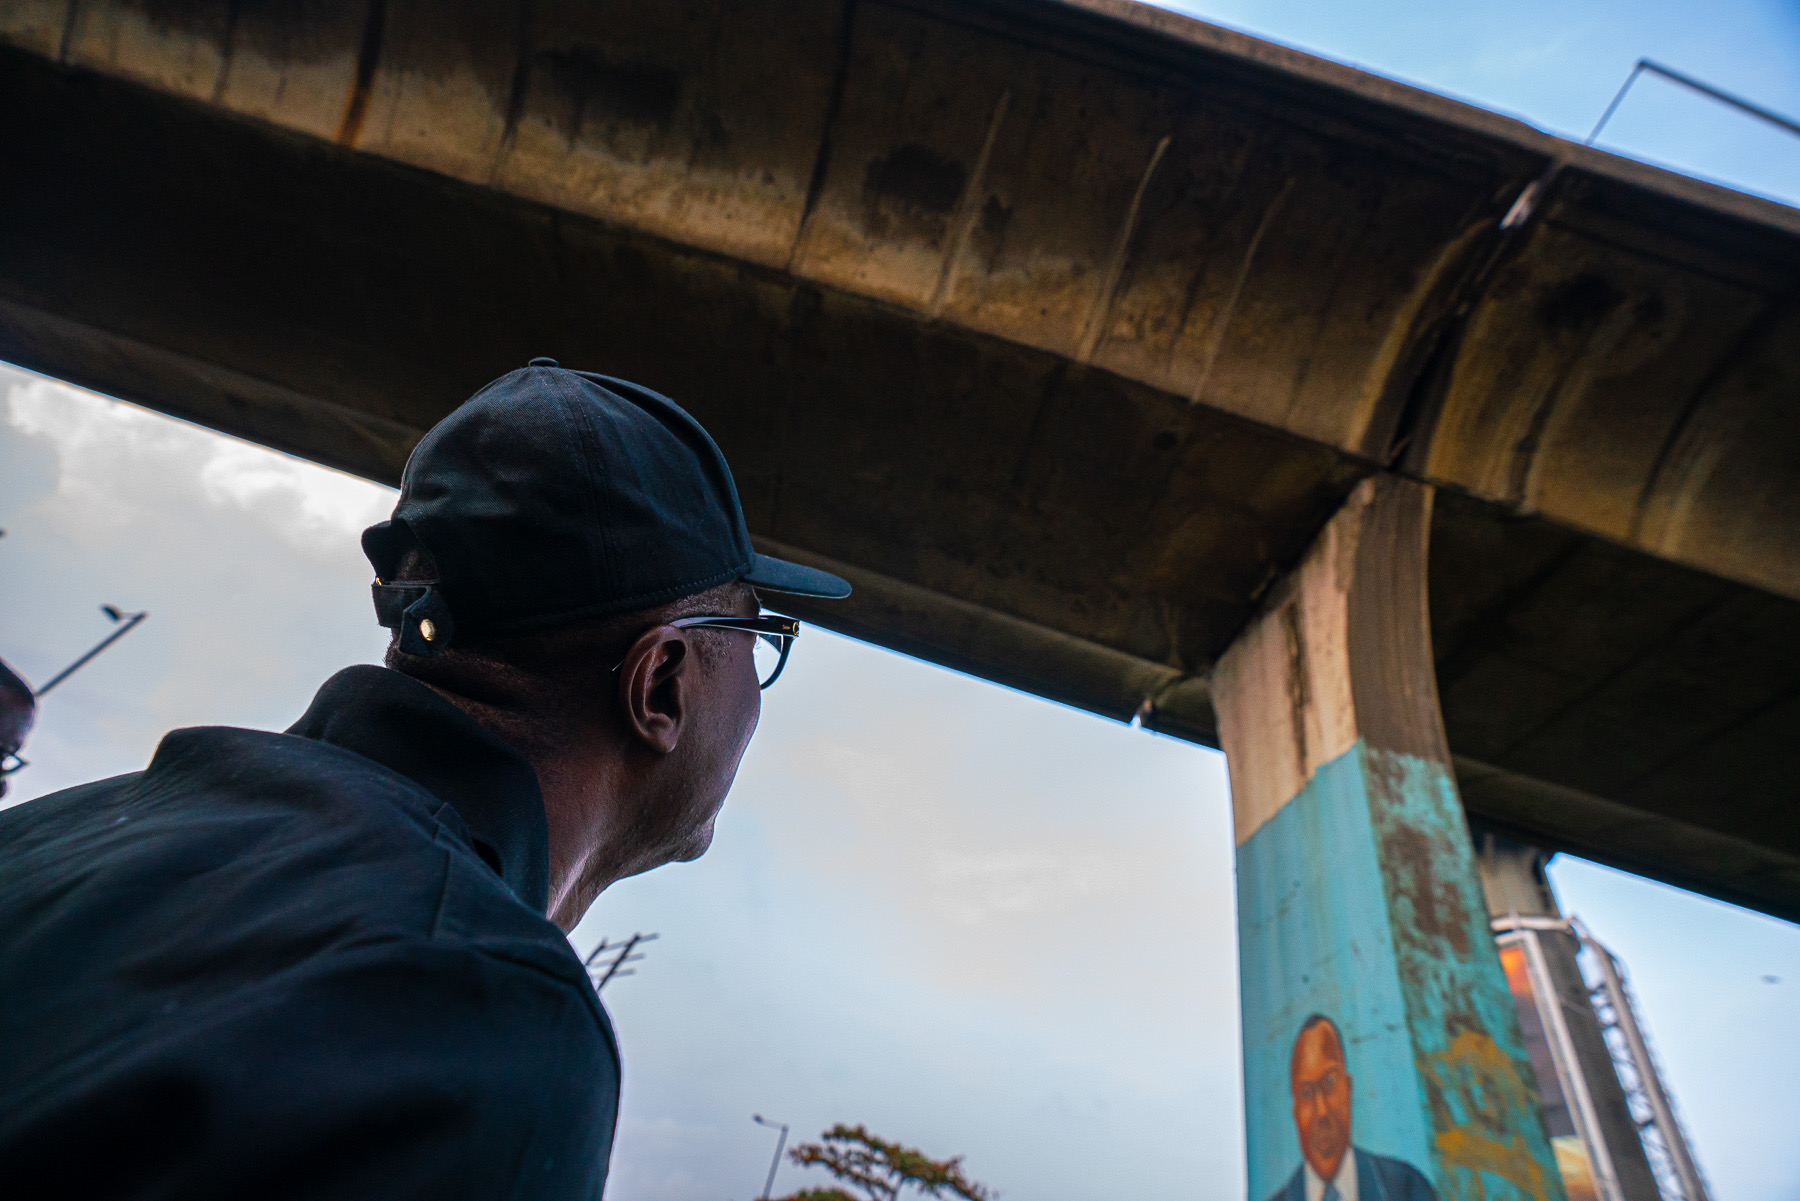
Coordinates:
<point>1359,900</point>
<point>1313,938</point>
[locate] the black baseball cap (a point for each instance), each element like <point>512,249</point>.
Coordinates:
<point>554,495</point>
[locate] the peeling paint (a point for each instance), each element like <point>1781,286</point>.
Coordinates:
<point>1357,900</point>
<point>1478,1100</point>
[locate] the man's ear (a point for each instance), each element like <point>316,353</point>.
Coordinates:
<point>654,681</point>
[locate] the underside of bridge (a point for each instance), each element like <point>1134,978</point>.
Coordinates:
<point>1060,329</point>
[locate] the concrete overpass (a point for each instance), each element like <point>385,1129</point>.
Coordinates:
<point>1062,329</point>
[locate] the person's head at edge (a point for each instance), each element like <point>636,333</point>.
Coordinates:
<point>1321,1087</point>
<point>635,727</point>
<point>18,710</point>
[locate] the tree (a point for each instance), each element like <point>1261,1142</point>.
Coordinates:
<point>880,1169</point>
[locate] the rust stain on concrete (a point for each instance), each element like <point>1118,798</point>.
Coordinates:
<point>368,55</point>
<point>1479,1105</point>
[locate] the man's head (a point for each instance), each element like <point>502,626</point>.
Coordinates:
<point>653,715</point>
<point>1321,1085</point>
<point>560,544</point>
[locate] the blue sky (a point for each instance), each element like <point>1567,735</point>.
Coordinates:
<point>976,921</point>
<point>1556,64</point>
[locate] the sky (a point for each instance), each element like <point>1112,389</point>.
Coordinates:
<point>976,921</point>
<point>1557,63</point>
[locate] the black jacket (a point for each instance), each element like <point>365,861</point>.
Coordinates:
<point>311,964</point>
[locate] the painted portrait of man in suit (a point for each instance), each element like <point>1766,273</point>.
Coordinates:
<point>1332,1168</point>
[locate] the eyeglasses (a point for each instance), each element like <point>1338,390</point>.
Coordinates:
<point>1324,1086</point>
<point>774,639</point>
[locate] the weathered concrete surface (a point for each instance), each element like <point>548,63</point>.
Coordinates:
<point>1062,327</point>
<point>1358,898</point>
<point>1606,703</point>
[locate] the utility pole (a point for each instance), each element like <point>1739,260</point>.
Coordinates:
<point>600,971</point>
<point>780,1143</point>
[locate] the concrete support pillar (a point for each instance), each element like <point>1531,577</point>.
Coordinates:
<point>1377,1023</point>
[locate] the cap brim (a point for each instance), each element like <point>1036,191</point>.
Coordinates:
<point>778,575</point>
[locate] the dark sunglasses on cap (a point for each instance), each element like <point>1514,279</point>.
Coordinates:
<point>774,639</point>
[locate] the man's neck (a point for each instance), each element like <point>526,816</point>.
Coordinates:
<point>587,839</point>
<point>577,784</point>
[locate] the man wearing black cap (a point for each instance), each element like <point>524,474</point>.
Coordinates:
<point>328,963</point>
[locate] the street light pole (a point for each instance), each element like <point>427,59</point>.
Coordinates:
<point>129,621</point>
<point>780,1143</point>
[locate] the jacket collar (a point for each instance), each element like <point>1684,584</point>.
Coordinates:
<point>408,728</point>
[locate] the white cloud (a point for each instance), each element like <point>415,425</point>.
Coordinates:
<point>101,446</point>
<point>311,506</point>
<point>114,459</point>
<point>980,887</point>
<point>247,561</point>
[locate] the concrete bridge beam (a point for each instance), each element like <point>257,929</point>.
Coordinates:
<point>1060,328</point>
<point>1375,1012</point>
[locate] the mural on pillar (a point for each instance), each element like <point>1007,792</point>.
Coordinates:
<point>1382,1054</point>
<point>1333,1167</point>
<point>1377,1056</point>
